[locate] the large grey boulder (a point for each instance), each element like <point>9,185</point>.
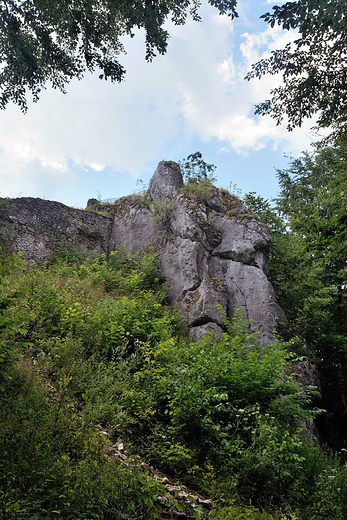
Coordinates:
<point>244,239</point>
<point>213,254</point>
<point>212,329</point>
<point>133,229</point>
<point>184,264</point>
<point>167,179</point>
<point>208,303</point>
<point>249,290</point>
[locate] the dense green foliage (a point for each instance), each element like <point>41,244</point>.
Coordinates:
<point>95,349</point>
<point>308,267</point>
<point>313,67</point>
<point>64,333</point>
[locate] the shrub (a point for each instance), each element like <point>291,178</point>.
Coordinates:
<point>195,170</point>
<point>162,214</point>
<point>92,346</point>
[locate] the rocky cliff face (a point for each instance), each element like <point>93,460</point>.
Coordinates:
<point>39,227</point>
<point>213,254</point>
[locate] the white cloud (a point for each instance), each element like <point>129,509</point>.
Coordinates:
<point>227,71</point>
<point>196,91</point>
<point>22,142</point>
<point>98,167</point>
<point>259,45</point>
<point>33,179</point>
<point>221,106</point>
<point>244,133</point>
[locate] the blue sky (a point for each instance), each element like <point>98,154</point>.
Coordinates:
<point>99,138</point>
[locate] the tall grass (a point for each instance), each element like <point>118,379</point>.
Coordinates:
<point>92,355</point>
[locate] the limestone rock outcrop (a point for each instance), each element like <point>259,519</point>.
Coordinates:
<point>213,254</point>
<point>39,227</point>
<point>167,179</point>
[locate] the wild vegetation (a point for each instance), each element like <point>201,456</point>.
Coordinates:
<point>93,361</point>
<point>308,268</point>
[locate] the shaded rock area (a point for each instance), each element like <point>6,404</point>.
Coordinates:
<point>39,227</point>
<point>305,373</point>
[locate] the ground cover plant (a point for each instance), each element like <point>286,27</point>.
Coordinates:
<point>91,355</point>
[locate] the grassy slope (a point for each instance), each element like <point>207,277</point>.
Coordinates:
<point>88,345</point>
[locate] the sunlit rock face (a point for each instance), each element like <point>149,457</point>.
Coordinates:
<point>213,254</point>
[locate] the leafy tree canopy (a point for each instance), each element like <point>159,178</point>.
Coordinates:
<point>308,266</point>
<point>313,196</point>
<point>56,40</point>
<point>314,66</point>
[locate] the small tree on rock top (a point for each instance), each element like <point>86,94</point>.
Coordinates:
<point>195,170</point>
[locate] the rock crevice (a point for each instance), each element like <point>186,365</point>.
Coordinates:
<point>215,256</point>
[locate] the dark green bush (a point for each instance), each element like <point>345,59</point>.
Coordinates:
<point>93,346</point>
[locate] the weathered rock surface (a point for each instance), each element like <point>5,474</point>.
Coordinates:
<point>39,227</point>
<point>133,229</point>
<point>244,240</point>
<point>249,289</point>
<point>197,333</point>
<point>167,179</point>
<point>206,303</point>
<point>214,255</point>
